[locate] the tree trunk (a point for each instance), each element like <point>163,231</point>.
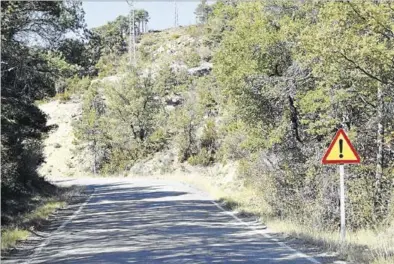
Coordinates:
<point>379,156</point>
<point>95,157</point>
<point>294,119</point>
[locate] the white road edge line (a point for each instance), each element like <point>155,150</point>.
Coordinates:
<point>298,253</point>
<point>63,225</point>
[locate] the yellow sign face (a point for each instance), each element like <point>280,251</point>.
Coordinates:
<point>341,150</point>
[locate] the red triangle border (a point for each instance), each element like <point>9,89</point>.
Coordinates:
<point>342,132</point>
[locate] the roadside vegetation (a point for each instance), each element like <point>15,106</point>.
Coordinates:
<point>29,213</point>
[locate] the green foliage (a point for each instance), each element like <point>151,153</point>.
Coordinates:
<point>10,237</point>
<point>289,78</point>
<point>175,36</point>
<point>127,127</point>
<point>207,145</point>
<point>203,11</point>
<point>191,58</point>
<point>29,73</point>
<point>186,120</point>
<point>58,63</point>
<point>203,157</point>
<point>78,85</point>
<point>158,140</point>
<point>209,135</point>
<point>107,65</point>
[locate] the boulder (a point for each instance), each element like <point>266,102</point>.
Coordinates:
<point>174,100</point>
<point>204,69</point>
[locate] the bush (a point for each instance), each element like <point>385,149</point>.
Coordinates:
<point>232,146</point>
<point>192,59</point>
<point>76,84</point>
<point>209,137</point>
<point>175,36</point>
<point>157,140</point>
<point>204,157</point>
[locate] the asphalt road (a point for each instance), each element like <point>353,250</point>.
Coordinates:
<point>157,221</point>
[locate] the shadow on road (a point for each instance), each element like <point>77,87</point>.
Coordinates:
<point>156,224</point>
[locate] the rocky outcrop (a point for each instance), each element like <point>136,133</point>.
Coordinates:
<point>204,69</point>
<point>174,100</point>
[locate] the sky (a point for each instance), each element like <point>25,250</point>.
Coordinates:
<point>98,13</point>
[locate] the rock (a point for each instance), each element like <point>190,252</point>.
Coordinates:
<point>177,67</point>
<point>113,78</point>
<point>204,69</point>
<point>169,108</point>
<point>174,100</point>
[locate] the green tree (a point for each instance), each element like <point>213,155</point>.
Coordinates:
<point>27,74</point>
<point>203,11</point>
<point>351,55</point>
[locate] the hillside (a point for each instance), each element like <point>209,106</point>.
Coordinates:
<point>184,112</point>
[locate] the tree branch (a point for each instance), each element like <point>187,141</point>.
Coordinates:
<point>370,75</point>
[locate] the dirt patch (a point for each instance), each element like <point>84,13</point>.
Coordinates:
<point>62,158</point>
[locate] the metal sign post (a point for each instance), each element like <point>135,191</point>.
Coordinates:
<point>342,201</point>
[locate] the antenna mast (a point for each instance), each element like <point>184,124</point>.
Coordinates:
<point>176,14</point>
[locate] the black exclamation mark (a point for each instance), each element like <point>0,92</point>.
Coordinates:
<point>341,148</point>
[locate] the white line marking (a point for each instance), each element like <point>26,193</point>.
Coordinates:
<point>63,225</point>
<point>298,253</point>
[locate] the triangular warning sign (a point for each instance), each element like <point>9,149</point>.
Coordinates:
<point>341,151</point>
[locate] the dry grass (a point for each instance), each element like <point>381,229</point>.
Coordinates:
<point>63,97</point>
<point>44,211</point>
<point>12,234</point>
<point>20,225</point>
<point>389,260</point>
<point>9,237</point>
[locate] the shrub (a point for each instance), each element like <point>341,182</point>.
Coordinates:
<point>209,137</point>
<point>175,36</point>
<point>76,84</point>
<point>192,59</point>
<point>204,157</point>
<point>157,140</point>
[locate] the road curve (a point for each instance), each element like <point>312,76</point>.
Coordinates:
<point>157,221</point>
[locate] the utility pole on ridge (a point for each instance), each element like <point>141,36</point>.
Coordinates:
<point>176,14</point>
